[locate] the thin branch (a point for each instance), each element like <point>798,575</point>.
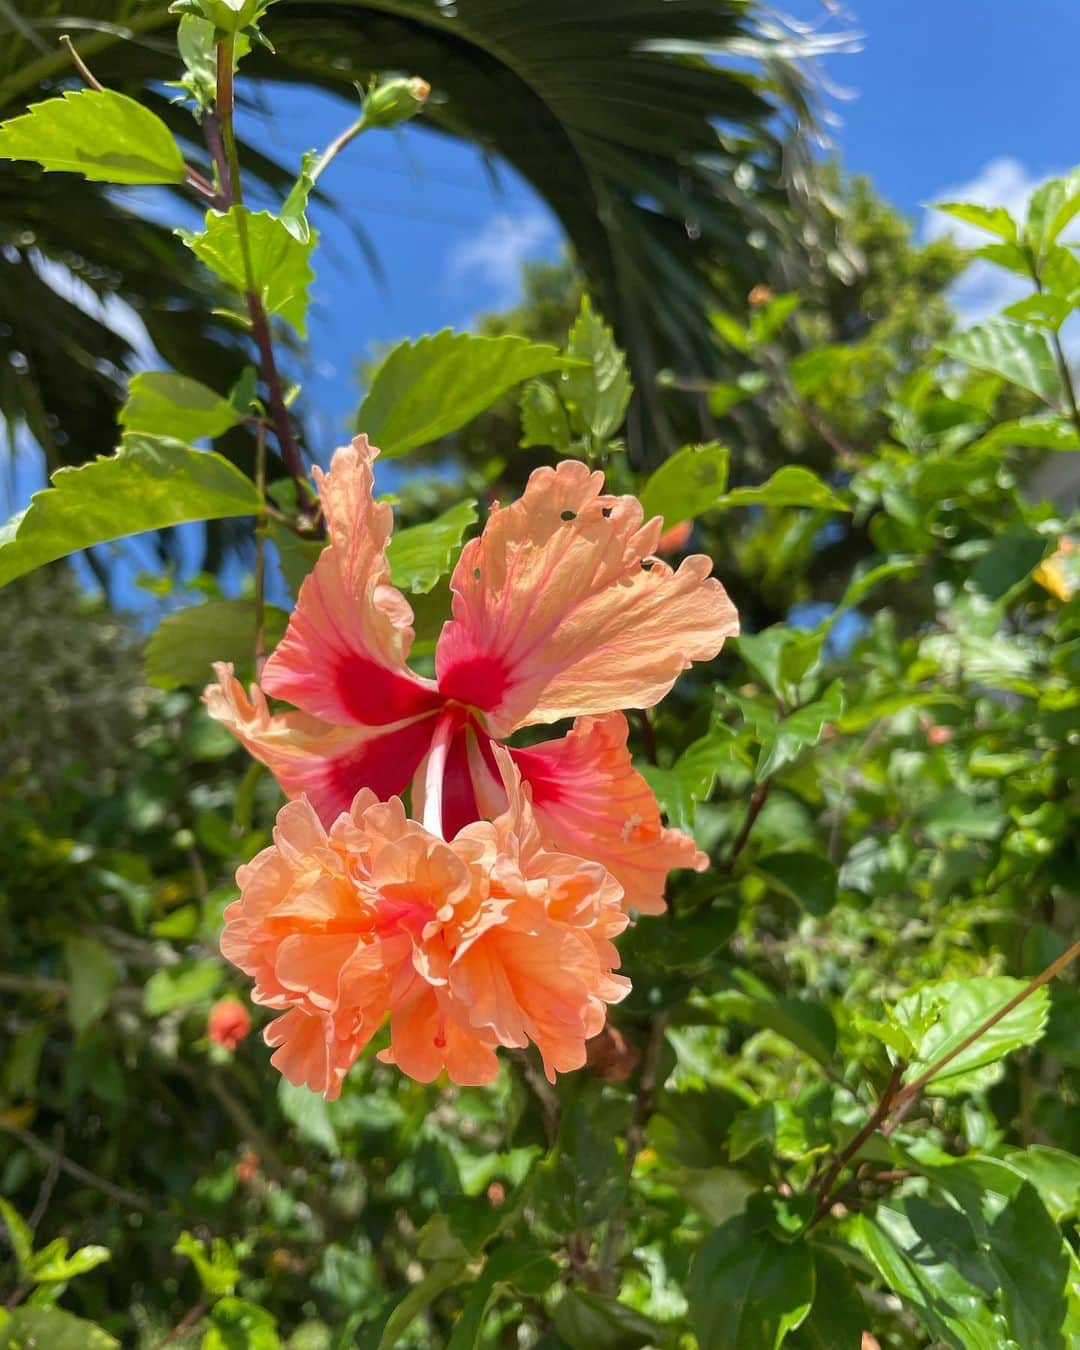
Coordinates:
<point>916,1086</point>
<point>644,1102</point>
<point>260,553</point>
<point>81,66</point>
<point>828,1181</point>
<point>189,1319</point>
<point>546,1096</point>
<point>758,798</point>
<point>74,1169</point>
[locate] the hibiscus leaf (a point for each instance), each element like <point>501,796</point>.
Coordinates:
<point>690,482</point>
<point>160,403</point>
<point>105,136</point>
<point>790,486</point>
<point>422,554</point>
<point>597,390</point>
<point>185,645</point>
<point>150,483</point>
<point>429,388</point>
<point>1018,352</point>
<point>280,263</point>
<point>52,1327</point>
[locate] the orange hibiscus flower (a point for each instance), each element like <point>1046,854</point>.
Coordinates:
<point>560,610</point>
<point>488,940</point>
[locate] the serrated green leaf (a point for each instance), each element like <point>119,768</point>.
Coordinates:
<point>420,555</point>
<point>281,269</point>
<point>543,417</point>
<point>31,1328</point>
<point>784,740</point>
<point>687,484</point>
<point>1017,352</point>
<point>690,779</point>
<point>216,1264</point>
<point>748,1289</point>
<point>992,219</point>
<point>148,484</point>
<point>792,485</point>
<point>937,1017</point>
<point>52,1267</point>
<point>431,387</point>
<point>105,136</point>
<point>597,394</point>
<point>1054,1173</point>
<point>162,404</point>
<point>1052,207</point>
<point>92,977</point>
<point>184,646</point>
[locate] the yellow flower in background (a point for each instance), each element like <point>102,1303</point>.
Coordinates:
<point>1060,573</point>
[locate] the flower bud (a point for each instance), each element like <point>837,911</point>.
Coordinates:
<point>229,1022</point>
<point>395,102</point>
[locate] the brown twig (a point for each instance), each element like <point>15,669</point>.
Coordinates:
<point>74,1169</point>
<point>758,798</point>
<point>644,1102</point>
<point>81,66</point>
<point>877,1116</point>
<point>648,735</point>
<point>189,1319</point>
<point>546,1097</point>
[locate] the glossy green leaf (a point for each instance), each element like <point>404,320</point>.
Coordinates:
<point>597,393</point>
<point>160,403</point>
<point>581,1182</point>
<point>927,1254</point>
<point>790,486</point>
<point>421,554</point>
<point>105,136</point>
<point>808,878</point>
<point>748,1289</point>
<point>237,1324</point>
<point>587,1321</point>
<point>783,740</point>
<point>680,787</point>
<point>1052,207</point>
<point>514,1265</point>
<point>1054,1173</point>
<point>281,269</point>
<point>185,645</point>
<point>421,1296</point>
<point>148,484</point>
<point>1018,352</point>
<point>938,1017</point>
<point>839,1316</point>
<point>426,389</point>
<point>53,1264</point>
<point>543,417</point>
<point>92,976</point>
<point>31,1328</point>
<point>687,484</point>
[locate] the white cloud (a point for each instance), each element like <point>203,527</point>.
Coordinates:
<point>985,288</point>
<point>495,255</point>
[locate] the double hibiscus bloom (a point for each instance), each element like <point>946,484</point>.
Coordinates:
<point>489,922</point>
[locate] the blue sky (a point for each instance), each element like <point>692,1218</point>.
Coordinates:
<point>944,98</point>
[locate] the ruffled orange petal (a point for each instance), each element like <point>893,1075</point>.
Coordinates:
<point>328,763</point>
<point>559,608</point>
<point>343,654</point>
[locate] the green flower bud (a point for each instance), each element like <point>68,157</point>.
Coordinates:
<point>395,101</point>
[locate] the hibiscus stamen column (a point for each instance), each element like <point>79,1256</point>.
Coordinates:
<point>435,773</point>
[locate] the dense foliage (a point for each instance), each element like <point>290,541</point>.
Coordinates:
<point>839,1106</point>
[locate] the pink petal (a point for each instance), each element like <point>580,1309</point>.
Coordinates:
<point>560,610</point>
<point>307,755</point>
<point>589,800</point>
<point>343,654</point>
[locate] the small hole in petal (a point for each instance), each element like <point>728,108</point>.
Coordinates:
<point>569,515</point>
<point>476,574</point>
<point>647,564</point>
<point>606,511</point>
